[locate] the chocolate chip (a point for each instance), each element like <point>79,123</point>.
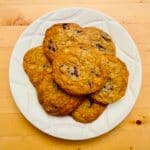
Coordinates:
<point>55,107</point>
<point>71,71</point>
<point>55,85</point>
<point>90,84</point>
<point>95,71</point>
<point>79,31</point>
<point>81,47</point>
<point>52,46</point>
<point>74,71</point>
<point>62,65</point>
<point>65,25</point>
<point>45,66</point>
<point>100,47</point>
<point>106,37</point>
<point>107,88</point>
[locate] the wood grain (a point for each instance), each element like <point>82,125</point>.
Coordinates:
<point>23,14</point>
<point>16,132</point>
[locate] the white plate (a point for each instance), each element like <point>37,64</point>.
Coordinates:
<point>65,127</point>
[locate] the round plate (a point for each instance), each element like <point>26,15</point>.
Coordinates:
<point>24,93</point>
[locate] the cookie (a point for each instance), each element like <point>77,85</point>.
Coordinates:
<point>116,84</point>
<point>79,70</point>
<point>59,36</point>
<point>54,100</point>
<point>100,40</point>
<point>88,111</point>
<point>35,63</point>
<point>64,35</point>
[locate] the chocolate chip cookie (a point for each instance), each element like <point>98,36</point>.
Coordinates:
<point>59,36</point>
<point>54,100</point>
<point>63,35</point>
<point>35,64</point>
<point>116,84</point>
<point>100,40</point>
<point>79,69</point>
<point>88,111</point>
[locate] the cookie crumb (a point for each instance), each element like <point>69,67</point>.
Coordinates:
<point>130,148</point>
<point>138,122</point>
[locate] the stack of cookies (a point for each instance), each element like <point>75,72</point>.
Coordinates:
<point>76,71</point>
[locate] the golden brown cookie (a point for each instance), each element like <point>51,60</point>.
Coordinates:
<point>63,35</point>
<point>54,100</point>
<point>79,70</point>
<point>35,63</point>
<point>116,85</point>
<point>88,111</point>
<point>59,36</point>
<point>100,40</point>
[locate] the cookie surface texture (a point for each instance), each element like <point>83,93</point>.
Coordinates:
<point>116,84</point>
<point>54,100</point>
<point>79,70</point>
<point>100,40</point>
<point>35,64</point>
<point>59,36</point>
<point>88,111</point>
<point>65,34</point>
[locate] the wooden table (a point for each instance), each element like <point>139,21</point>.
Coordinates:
<point>17,133</point>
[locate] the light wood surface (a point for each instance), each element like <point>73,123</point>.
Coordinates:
<point>17,133</point>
